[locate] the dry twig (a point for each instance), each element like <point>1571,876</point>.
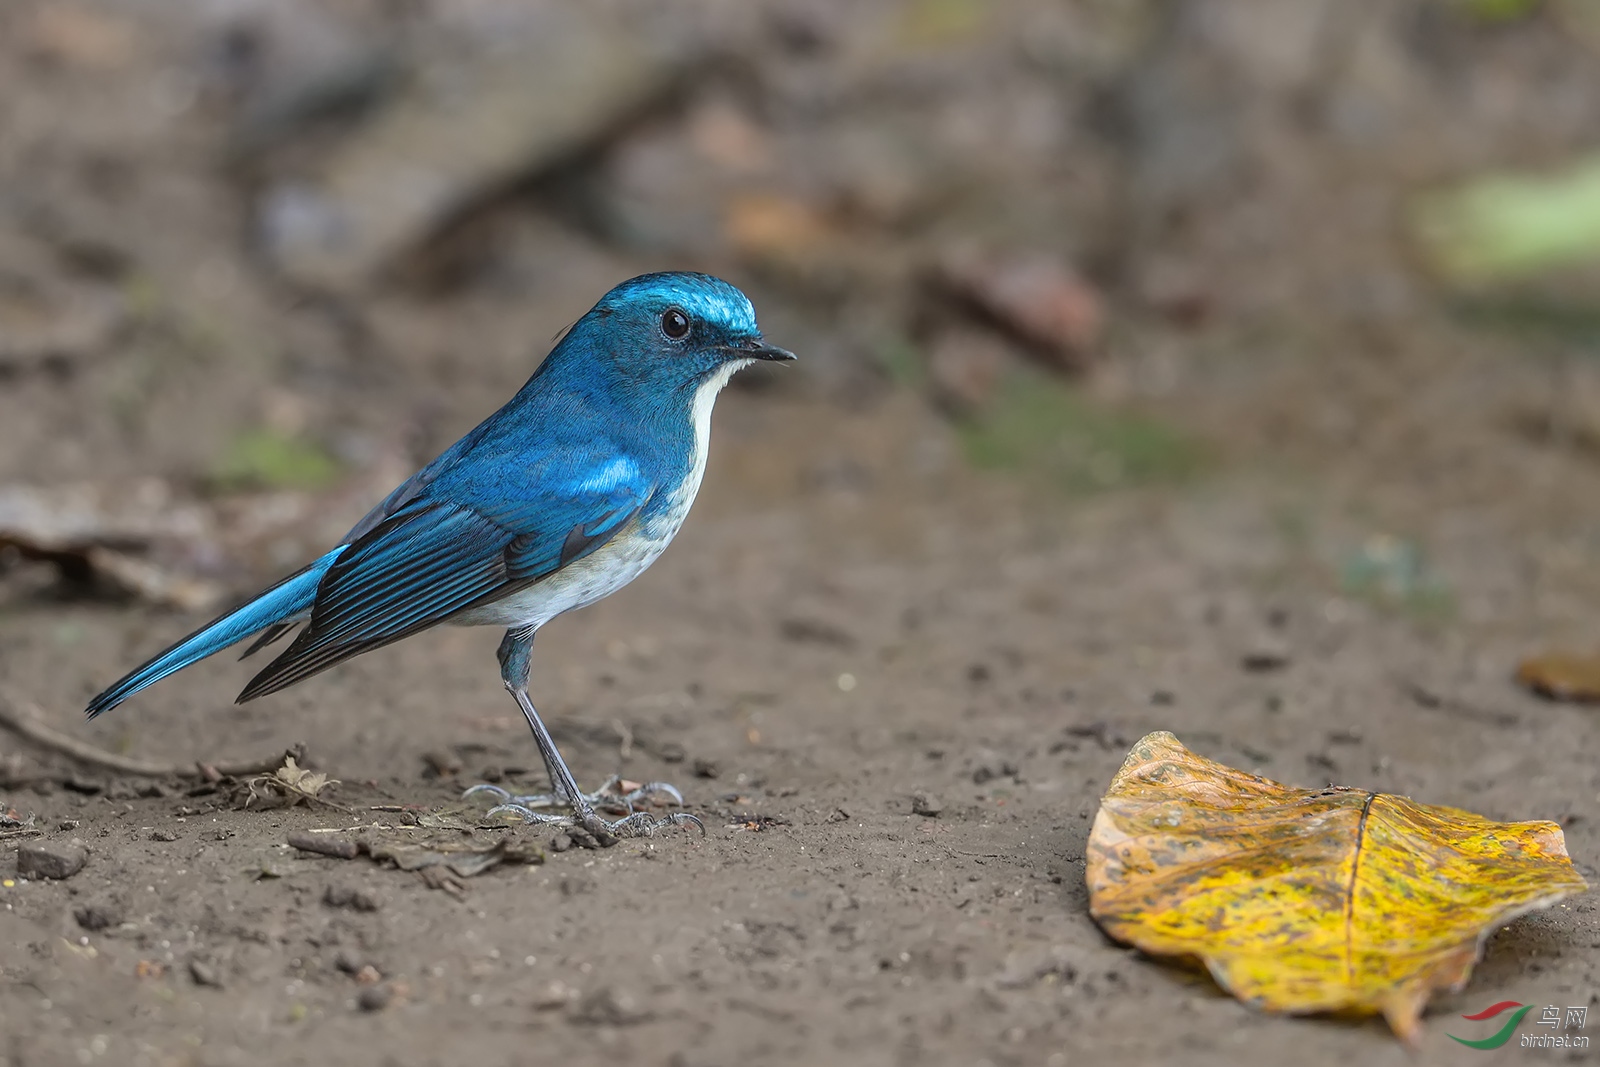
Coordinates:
<point>27,719</point>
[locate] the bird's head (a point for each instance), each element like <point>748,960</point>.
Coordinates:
<point>667,333</point>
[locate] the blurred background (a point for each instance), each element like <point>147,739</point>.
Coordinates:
<point>261,258</point>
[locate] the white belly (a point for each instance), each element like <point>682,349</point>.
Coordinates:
<point>621,559</point>
<point>582,582</point>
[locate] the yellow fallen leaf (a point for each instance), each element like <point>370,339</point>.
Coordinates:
<point>1562,676</point>
<point>1309,900</point>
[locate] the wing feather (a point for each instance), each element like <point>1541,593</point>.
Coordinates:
<point>433,557</point>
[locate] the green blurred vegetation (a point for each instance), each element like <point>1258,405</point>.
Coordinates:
<point>264,459</point>
<point>1043,428</point>
<point>1391,572</point>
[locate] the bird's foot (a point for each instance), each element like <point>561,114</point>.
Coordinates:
<point>609,797</point>
<point>583,812</point>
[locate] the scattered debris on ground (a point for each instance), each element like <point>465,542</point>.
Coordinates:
<point>438,844</point>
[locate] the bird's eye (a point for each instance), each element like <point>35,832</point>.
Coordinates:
<point>675,324</point>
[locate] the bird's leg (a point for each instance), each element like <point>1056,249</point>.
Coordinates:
<point>516,654</point>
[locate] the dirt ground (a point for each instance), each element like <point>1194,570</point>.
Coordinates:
<point>865,606</point>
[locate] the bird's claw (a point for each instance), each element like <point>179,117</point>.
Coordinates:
<point>606,798</point>
<point>634,823</point>
<point>639,824</point>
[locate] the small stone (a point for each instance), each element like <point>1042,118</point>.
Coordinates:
<point>368,975</point>
<point>560,843</point>
<point>51,859</point>
<point>352,897</point>
<point>553,997</point>
<point>704,768</point>
<point>375,997</point>
<point>440,764</point>
<point>608,1006</point>
<point>336,845</point>
<point>1268,654</point>
<point>99,915</point>
<point>584,839</point>
<point>988,772</point>
<point>672,752</point>
<point>926,804</point>
<point>163,835</point>
<point>204,974</point>
<point>349,962</point>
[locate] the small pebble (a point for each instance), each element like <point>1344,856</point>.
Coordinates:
<point>204,974</point>
<point>441,764</point>
<point>553,996</point>
<point>704,768</point>
<point>50,859</point>
<point>375,997</point>
<point>607,1006</point>
<point>926,804</point>
<point>336,845</point>
<point>584,839</point>
<point>1271,653</point>
<point>560,843</point>
<point>100,915</point>
<point>163,835</point>
<point>356,899</point>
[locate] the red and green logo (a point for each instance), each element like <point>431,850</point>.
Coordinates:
<point>1505,1032</point>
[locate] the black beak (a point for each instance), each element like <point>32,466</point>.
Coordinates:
<point>761,350</point>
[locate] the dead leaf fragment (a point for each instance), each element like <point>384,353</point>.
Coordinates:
<point>1562,676</point>
<point>1037,298</point>
<point>1300,900</point>
<point>290,784</point>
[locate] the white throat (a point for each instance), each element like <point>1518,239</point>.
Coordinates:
<point>705,398</point>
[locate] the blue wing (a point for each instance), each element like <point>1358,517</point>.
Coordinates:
<point>462,540</point>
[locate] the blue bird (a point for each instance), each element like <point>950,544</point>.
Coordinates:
<point>560,498</point>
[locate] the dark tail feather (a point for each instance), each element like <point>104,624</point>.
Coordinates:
<point>270,610</point>
<point>268,636</point>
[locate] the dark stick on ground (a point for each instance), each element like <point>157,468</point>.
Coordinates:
<point>26,719</point>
